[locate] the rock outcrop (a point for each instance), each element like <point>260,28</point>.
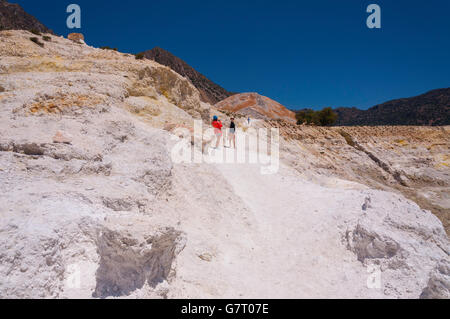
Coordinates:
<point>76,37</point>
<point>256,106</point>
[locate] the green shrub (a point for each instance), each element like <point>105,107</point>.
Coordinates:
<point>305,117</point>
<point>36,40</point>
<point>109,48</point>
<point>46,38</point>
<point>326,117</point>
<point>36,32</point>
<point>139,56</point>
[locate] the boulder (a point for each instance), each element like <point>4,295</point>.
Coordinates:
<point>76,37</point>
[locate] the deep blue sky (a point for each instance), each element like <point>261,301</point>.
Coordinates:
<point>300,53</point>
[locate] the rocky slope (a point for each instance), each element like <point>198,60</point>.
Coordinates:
<point>210,92</point>
<point>93,204</point>
<point>256,106</point>
<point>409,160</point>
<point>431,108</point>
<point>13,17</point>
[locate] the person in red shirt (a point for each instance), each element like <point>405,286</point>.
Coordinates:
<point>217,124</point>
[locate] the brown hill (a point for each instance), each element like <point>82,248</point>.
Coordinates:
<point>431,108</point>
<point>14,17</point>
<point>210,92</point>
<point>257,106</point>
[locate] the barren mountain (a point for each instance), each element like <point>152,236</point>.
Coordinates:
<point>256,106</point>
<point>13,17</point>
<point>96,203</point>
<point>210,92</point>
<point>432,108</point>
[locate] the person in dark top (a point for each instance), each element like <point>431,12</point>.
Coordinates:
<point>232,134</point>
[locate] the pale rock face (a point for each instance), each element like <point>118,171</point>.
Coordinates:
<point>439,283</point>
<point>111,215</point>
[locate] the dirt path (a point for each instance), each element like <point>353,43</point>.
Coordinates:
<point>295,236</point>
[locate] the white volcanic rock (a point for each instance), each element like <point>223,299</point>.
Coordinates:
<point>439,283</point>
<point>112,216</point>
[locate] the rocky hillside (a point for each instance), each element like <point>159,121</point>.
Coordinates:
<point>95,203</point>
<point>256,106</point>
<point>13,17</point>
<point>210,92</point>
<point>409,160</point>
<point>432,108</point>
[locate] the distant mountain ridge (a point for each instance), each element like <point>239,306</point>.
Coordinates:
<point>210,92</point>
<point>429,109</point>
<point>14,17</point>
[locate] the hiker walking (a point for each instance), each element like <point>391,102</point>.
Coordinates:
<point>217,124</point>
<point>232,134</point>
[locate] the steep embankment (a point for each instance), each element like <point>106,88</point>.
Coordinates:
<point>92,204</point>
<point>78,208</point>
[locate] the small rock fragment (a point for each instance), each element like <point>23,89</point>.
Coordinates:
<point>205,257</point>
<point>63,138</point>
<point>366,204</point>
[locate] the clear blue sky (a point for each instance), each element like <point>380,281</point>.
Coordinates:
<point>300,53</point>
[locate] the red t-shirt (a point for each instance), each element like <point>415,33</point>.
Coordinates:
<point>217,126</point>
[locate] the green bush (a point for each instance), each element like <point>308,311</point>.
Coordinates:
<point>326,117</point>
<point>36,32</point>
<point>46,38</point>
<point>109,48</point>
<point>305,117</point>
<point>139,56</point>
<point>36,40</point>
